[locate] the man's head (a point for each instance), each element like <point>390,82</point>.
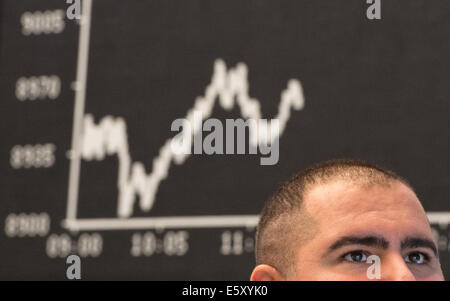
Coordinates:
<point>324,222</point>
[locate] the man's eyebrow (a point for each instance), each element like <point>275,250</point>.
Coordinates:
<point>370,241</point>
<point>419,242</point>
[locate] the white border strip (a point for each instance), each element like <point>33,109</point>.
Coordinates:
<point>439,217</point>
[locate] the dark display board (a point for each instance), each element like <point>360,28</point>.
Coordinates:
<point>115,81</point>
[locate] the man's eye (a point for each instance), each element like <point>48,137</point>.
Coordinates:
<point>355,256</point>
<point>416,258</point>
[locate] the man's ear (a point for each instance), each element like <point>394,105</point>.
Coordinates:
<point>264,272</point>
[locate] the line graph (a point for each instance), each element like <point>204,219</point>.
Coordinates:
<point>90,141</point>
<point>109,137</point>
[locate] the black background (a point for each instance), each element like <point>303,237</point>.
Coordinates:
<point>374,89</point>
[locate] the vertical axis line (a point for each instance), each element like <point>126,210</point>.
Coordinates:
<point>80,96</point>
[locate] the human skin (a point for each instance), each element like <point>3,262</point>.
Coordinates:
<point>384,220</point>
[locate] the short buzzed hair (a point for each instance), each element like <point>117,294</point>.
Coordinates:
<point>284,225</point>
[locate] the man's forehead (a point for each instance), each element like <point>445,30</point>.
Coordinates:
<point>339,199</point>
<point>349,209</point>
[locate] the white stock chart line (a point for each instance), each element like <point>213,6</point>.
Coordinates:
<point>109,137</point>
<point>92,141</point>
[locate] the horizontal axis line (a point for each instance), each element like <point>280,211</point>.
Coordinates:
<point>211,221</point>
<point>202,221</point>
